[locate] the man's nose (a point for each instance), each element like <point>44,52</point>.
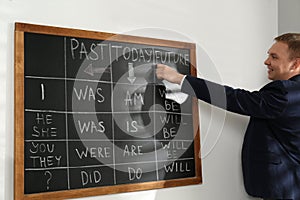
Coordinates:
<point>267,61</point>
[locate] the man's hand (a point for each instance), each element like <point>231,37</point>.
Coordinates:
<point>169,74</point>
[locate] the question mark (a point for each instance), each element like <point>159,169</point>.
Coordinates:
<point>48,180</point>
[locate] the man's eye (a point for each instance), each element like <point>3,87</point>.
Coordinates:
<point>274,57</point>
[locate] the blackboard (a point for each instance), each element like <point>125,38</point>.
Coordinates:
<point>91,118</point>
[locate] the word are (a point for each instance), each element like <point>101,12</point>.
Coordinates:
<point>132,150</point>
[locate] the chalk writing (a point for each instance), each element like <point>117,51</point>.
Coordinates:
<point>94,152</point>
<point>100,117</point>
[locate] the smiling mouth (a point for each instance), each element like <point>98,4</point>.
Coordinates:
<point>270,69</point>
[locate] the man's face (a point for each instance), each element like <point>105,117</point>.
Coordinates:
<point>278,62</point>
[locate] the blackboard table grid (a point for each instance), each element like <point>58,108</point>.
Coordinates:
<point>66,114</point>
<point>99,140</point>
<point>165,163</point>
<point>114,165</point>
<point>105,112</point>
<point>112,119</point>
<point>174,175</point>
<point>87,166</point>
<point>80,79</point>
<point>155,129</point>
<point>66,79</point>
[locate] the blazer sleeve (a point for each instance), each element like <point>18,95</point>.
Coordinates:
<point>269,102</point>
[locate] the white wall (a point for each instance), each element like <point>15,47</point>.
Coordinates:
<point>232,37</point>
<point>288,16</point>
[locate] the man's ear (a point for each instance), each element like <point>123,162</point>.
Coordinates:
<point>296,65</point>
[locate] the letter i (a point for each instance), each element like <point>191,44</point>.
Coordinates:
<point>42,91</point>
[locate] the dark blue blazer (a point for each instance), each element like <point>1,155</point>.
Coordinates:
<point>271,148</point>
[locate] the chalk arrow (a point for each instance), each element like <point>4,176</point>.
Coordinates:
<point>131,78</point>
<point>91,70</point>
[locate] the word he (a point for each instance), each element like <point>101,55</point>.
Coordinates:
<point>42,129</point>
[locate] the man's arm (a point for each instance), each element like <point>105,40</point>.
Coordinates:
<point>269,102</point>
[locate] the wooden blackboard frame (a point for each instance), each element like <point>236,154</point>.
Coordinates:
<point>20,29</point>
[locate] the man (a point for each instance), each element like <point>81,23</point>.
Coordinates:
<point>271,148</point>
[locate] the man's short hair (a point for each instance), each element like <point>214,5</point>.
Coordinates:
<point>293,42</point>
